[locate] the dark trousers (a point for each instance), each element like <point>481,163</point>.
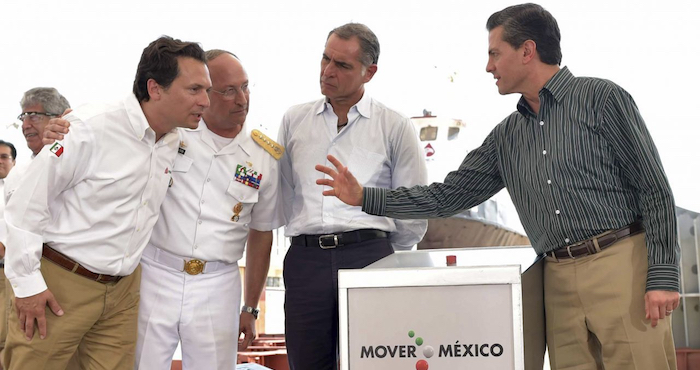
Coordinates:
<point>311,299</point>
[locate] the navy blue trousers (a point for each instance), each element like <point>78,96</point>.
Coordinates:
<point>311,299</point>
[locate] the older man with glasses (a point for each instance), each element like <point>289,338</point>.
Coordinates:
<point>39,105</point>
<point>224,199</point>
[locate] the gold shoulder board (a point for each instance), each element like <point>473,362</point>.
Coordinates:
<point>268,144</point>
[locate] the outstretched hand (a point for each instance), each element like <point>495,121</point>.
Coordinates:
<point>344,185</point>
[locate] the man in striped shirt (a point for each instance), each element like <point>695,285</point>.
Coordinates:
<point>590,190</point>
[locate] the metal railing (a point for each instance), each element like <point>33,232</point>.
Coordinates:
<point>686,320</point>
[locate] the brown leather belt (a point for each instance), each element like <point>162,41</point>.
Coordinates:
<point>75,267</point>
<point>588,247</point>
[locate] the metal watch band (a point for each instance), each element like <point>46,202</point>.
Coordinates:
<point>251,310</point>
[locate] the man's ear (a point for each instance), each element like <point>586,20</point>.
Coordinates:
<point>529,51</point>
<point>154,89</point>
<point>369,72</point>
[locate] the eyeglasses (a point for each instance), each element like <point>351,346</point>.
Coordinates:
<point>5,157</point>
<point>35,117</point>
<point>231,92</point>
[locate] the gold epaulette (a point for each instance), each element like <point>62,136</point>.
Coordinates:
<point>268,144</point>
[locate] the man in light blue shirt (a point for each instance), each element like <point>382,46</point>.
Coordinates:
<point>381,147</point>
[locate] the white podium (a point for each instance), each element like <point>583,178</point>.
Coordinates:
<point>410,311</point>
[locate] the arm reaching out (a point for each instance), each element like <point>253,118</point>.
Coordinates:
<point>344,185</point>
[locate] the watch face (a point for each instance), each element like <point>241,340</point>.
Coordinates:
<point>251,310</point>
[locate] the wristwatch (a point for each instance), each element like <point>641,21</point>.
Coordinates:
<point>251,310</point>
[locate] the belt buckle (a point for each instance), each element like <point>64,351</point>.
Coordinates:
<point>568,250</point>
<point>194,267</point>
<point>329,241</point>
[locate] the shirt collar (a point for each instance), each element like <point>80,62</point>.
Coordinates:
<point>238,141</point>
<point>560,84</point>
<point>363,106</point>
<point>137,119</point>
<point>557,86</point>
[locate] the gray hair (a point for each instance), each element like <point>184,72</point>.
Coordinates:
<point>48,97</point>
<point>369,44</point>
<point>214,53</point>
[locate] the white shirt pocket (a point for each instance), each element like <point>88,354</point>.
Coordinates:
<point>366,166</point>
<point>244,199</point>
<point>182,163</point>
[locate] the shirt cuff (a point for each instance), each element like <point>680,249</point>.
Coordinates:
<point>374,201</point>
<point>663,277</point>
<point>27,286</point>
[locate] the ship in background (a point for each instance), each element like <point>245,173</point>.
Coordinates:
<point>445,143</point>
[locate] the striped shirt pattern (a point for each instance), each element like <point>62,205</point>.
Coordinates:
<point>586,164</point>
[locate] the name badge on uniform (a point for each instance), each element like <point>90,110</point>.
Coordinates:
<point>248,177</point>
<point>182,147</point>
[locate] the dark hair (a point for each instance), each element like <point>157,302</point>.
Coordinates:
<point>213,53</point>
<point>12,148</point>
<point>159,62</point>
<point>369,44</point>
<point>48,97</point>
<point>529,22</point>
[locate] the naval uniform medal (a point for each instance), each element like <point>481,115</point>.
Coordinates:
<point>236,211</point>
<point>246,175</point>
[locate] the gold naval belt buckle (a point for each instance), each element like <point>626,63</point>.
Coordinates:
<point>194,267</point>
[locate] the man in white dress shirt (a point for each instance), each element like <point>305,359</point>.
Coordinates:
<point>224,192</point>
<point>7,162</point>
<point>381,146</point>
<point>38,105</point>
<point>84,211</point>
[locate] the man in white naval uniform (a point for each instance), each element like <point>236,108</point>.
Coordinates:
<point>224,192</point>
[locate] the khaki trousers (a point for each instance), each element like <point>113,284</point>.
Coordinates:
<point>4,309</point>
<point>595,312</point>
<point>4,306</point>
<point>99,322</point>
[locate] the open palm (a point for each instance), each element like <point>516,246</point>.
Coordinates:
<point>344,185</point>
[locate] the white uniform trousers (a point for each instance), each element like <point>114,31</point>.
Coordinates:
<point>201,311</point>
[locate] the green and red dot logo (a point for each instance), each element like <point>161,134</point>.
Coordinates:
<point>442,351</point>
<point>428,351</point>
